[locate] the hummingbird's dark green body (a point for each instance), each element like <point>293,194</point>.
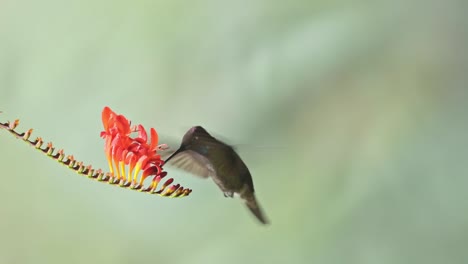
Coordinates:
<point>205,156</point>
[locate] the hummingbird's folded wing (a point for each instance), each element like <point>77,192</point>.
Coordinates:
<point>193,163</point>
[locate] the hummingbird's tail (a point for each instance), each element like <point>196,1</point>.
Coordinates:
<point>254,207</point>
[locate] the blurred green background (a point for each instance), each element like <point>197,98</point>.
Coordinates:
<point>352,116</point>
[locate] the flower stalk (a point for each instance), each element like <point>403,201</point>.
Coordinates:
<point>131,160</point>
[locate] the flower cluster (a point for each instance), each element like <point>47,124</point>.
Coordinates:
<point>128,156</point>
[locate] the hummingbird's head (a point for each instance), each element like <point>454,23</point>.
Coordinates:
<point>193,134</point>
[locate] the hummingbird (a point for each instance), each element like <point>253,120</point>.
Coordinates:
<point>203,155</point>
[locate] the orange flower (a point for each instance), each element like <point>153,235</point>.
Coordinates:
<point>136,154</point>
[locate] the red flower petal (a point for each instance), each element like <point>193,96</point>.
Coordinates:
<point>142,135</point>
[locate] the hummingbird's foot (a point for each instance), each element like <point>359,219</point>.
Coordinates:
<point>229,194</point>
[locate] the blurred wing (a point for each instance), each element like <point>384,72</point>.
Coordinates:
<point>193,163</point>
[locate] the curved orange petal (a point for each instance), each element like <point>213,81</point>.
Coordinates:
<point>106,115</point>
<point>154,139</point>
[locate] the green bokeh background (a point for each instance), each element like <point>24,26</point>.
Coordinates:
<point>352,116</point>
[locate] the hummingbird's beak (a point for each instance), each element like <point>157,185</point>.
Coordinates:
<point>173,154</point>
